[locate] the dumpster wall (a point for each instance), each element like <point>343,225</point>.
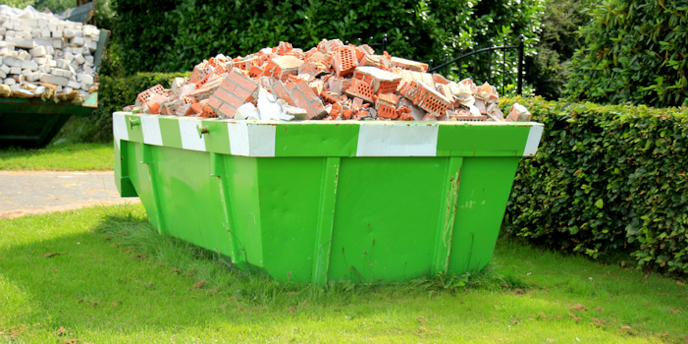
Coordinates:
<point>318,201</point>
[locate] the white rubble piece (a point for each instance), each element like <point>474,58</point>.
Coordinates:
<point>40,47</point>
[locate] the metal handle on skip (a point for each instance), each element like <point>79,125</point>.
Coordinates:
<point>134,122</point>
<point>201,130</point>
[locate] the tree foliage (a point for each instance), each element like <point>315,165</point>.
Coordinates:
<point>634,52</point>
<point>606,178</point>
<point>175,35</point>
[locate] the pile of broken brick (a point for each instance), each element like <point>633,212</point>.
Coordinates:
<point>332,81</point>
<point>44,56</point>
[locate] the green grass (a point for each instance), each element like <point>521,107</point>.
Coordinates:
<point>68,157</point>
<point>115,280</point>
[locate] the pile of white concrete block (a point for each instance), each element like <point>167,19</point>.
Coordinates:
<point>39,49</point>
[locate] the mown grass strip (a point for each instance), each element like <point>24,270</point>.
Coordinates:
<point>68,157</point>
<point>103,275</point>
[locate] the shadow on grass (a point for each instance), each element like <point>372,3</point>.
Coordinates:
<point>121,276</point>
<point>124,275</point>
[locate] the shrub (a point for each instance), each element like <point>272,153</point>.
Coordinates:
<point>606,178</point>
<point>168,36</point>
<point>114,94</point>
<point>634,52</point>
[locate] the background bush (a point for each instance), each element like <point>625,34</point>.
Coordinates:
<point>114,94</point>
<point>606,178</point>
<point>634,52</point>
<point>188,31</point>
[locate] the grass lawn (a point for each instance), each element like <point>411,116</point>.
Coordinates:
<point>68,157</point>
<point>102,275</point>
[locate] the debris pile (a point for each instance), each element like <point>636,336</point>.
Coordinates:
<point>332,81</point>
<point>44,56</point>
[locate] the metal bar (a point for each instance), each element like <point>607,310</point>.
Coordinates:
<point>475,65</point>
<point>519,87</point>
<point>384,42</point>
<point>217,170</point>
<point>325,224</point>
<point>150,162</point>
<point>430,69</point>
<point>489,63</point>
<point>473,53</point>
<point>445,232</point>
<point>446,65</point>
<point>504,68</point>
<point>358,41</point>
<point>460,64</point>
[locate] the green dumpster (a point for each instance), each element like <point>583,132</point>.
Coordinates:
<point>33,123</point>
<point>315,201</point>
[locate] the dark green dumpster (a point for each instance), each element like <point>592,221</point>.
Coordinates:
<point>32,123</point>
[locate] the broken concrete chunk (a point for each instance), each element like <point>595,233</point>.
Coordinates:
<point>518,113</point>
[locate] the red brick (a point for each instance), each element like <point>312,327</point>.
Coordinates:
<point>214,102</point>
<point>242,81</point>
<point>227,86</point>
<point>223,95</point>
<point>243,95</point>
<point>280,90</point>
<point>345,60</point>
<point>228,110</point>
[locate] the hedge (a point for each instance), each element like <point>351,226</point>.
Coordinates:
<point>634,52</point>
<point>113,95</point>
<point>606,178</point>
<point>174,35</point>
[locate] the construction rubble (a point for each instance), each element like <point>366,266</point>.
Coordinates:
<point>332,81</point>
<point>42,56</point>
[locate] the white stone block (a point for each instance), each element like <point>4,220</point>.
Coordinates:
<point>93,46</point>
<point>5,69</point>
<point>3,75</point>
<point>4,51</point>
<point>29,22</point>
<point>15,70</point>
<point>24,55</point>
<point>42,41</point>
<point>68,33</point>
<point>57,43</point>
<point>40,60</point>
<point>78,41</point>
<point>74,84</point>
<point>45,33</point>
<point>3,30</point>
<point>35,32</point>
<point>26,72</point>
<point>52,63</point>
<point>58,89</point>
<point>89,59</point>
<point>42,23</point>
<point>15,88</point>
<point>57,34</point>
<point>33,77</point>
<point>9,81</point>
<point>79,59</point>
<point>62,63</point>
<point>17,26</point>
<point>38,51</point>
<point>51,50</point>
<point>68,56</point>
<point>67,90</point>
<point>24,43</point>
<point>44,68</point>
<point>55,80</point>
<point>31,65</point>
<point>85,78</point>
<point>11,61</point>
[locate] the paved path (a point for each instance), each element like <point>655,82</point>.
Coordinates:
<point>29,192</point>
